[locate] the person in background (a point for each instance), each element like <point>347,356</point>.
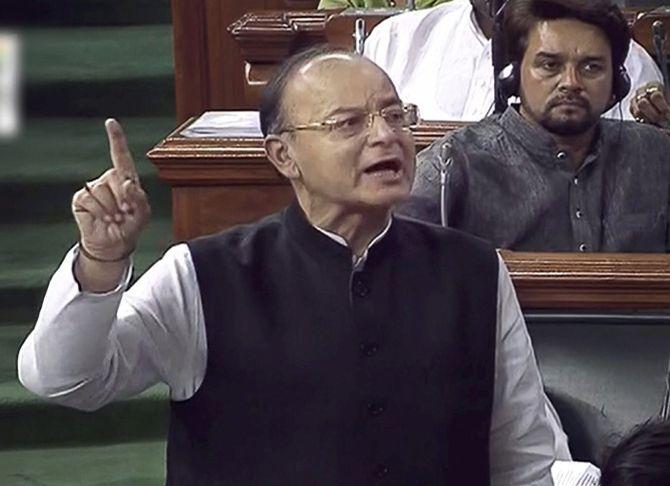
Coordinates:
<point>334,4</point>
<point>642,458</point>
<point>551,174</point>
<point>440,60</point>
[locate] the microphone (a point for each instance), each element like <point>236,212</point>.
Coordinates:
<point>658,39</point>
<point>498,52</point>
<point>359,36</point>
<point>665,409</point>
<point>445,161</point>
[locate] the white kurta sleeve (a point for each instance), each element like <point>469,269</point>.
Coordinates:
<point>642,69</point>
<point>522,441</point>
<point>89,349</point>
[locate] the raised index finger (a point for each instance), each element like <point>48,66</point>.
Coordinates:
<point>118,149</point>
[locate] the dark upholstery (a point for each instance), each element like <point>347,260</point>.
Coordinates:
<point>589,430</point>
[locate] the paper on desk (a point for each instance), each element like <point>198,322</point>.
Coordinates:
<point>575,474</point>
<point>371,11</point>
<point>233,124</point>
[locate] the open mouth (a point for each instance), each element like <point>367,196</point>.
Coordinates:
<point>390,165</point>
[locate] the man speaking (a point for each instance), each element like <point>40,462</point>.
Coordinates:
<point>329,344</point>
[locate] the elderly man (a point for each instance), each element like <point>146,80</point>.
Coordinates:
<point>329,344</point>
<point>550,174</point>
<point>440,60</point>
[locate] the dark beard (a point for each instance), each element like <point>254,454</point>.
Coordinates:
<point>571,126</point>
<point>568,127</point>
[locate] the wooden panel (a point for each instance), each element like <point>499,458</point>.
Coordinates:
<point>191,62</point>
<point>202,210</point>
<point>209,68</point>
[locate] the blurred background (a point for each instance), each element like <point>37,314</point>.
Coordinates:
<point>66,66</point>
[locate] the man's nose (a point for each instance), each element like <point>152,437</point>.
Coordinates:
<point>570,78</point>
<point>379,130</point>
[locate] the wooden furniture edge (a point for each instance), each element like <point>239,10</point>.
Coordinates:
<point>605,281</point>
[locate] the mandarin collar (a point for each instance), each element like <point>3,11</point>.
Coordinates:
<point>322,243</point>
<point>537,141</point>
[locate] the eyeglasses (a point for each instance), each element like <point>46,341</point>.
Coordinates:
<point>352,124</point>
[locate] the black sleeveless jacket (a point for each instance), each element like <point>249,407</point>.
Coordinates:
<point>321,375</point>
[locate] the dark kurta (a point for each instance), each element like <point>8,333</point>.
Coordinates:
<point>320,375</point>
<point>509,183</point>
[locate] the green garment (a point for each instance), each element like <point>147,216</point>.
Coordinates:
<point>327,4</point>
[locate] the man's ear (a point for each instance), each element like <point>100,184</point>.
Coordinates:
<point>279,153</point>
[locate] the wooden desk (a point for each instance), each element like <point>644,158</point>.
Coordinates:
<point>219,182</point>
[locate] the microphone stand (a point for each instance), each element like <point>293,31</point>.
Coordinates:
<point>498,52</point>
<point>658,38</point>
<point>665,408</point>
<point>359,36</point>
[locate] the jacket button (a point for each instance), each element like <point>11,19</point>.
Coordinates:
<point>376,409</point>
<point>369,349</point>
<point>381,471</point>
<point>360,289</point>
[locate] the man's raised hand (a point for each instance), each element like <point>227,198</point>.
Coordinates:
<point>112,210</point>
<point>649,105</point>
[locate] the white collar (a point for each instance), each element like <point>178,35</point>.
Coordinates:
<point>357,261</point>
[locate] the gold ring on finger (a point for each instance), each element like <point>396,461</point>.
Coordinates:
<point>651,90</point>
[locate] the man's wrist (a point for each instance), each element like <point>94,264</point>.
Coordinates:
<point>99,259</point>
<point>97,276</point>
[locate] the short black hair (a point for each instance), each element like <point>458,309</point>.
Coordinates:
<point>642,458</point>
<point>520,16</point>
<point>271,110</point>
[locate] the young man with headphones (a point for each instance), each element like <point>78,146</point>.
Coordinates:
<point>550,174</point>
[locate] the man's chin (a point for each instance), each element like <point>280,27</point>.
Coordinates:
<point>568,126</point>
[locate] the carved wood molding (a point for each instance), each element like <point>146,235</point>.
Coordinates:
<point>271,35</point>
